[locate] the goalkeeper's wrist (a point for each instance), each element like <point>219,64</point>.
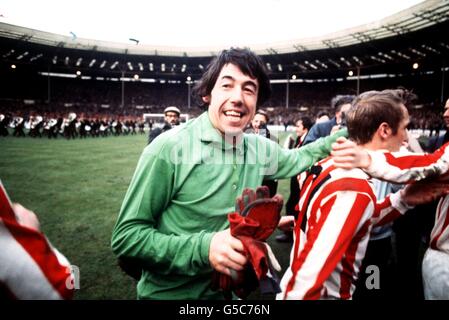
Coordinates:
<point>205,241</point>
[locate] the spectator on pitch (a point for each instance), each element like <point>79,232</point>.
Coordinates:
<point>322,117</point>
<point>340,104</point>
<point>171,119</point>
<point>302,127</point>
<point>338,208</point>
<point>173,219</point>
<point>258,125</point>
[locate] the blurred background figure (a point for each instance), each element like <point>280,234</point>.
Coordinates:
<point>259,126</point>
<point>302,127</point>
<point>171,119</point>
<point>340,104</point>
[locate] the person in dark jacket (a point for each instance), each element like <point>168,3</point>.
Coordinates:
<point>171,118</point>
<point>341,104</point>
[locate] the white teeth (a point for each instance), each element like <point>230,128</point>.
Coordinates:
<point>233,113</point>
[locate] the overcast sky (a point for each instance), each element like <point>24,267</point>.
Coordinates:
<point>196,23</point>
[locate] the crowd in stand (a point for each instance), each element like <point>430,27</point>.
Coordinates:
<point>42,119</point>
<point>98,104</point>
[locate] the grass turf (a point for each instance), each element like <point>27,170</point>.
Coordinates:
<point>76,188</point>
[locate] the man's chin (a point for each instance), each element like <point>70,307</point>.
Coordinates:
<point>233,131</point>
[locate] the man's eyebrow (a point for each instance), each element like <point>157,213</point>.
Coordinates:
<point>252,83</point>
<point>249,82</point>
<point>227,78</point>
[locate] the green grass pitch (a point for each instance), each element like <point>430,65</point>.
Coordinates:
<point>76,188</point>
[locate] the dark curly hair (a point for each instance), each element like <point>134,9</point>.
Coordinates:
<point>247,61</point>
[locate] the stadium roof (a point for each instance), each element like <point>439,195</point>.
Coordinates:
<point>202,28</point>
<point>392,45</point>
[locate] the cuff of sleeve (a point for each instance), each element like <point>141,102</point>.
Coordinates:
<point>327,142</point>
<point>341,133</point>
<point>398,203</point>
<point>377,158</point>
<point>205,245</point>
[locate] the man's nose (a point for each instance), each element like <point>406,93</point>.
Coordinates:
<point>237,95</point>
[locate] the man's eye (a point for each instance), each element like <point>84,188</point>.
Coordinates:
<point>249,89</point>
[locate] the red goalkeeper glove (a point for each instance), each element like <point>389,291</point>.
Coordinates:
<point>256,217</point>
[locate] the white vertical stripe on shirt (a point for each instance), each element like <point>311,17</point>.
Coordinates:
<point>20,273</point>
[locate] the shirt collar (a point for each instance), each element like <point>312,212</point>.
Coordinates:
<point>211,135</point>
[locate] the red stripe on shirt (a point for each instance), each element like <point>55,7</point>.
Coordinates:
<point>347,184</point>
<point>36,245</point>
<point>344,239</point>
<point>6,211</point>
<point>311,237</point>
<point>413,161</point>
<point>390,217</point>
<point>343,184</point>
<point>348,262</point>
<point>308,180</point>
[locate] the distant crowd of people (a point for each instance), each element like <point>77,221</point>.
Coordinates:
<point>37,122</point>
<point>69,126</point>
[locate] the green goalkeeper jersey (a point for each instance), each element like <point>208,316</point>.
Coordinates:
<point>185,184</point>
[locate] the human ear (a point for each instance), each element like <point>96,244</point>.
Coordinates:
<point>206,99</point>
<point>384,130</point>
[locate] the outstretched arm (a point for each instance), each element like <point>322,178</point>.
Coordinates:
<point>397,204</point>
<point>398,167</point>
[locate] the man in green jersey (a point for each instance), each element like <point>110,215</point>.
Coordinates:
<point>173,219</point>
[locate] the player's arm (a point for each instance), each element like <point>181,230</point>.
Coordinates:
<point>289,163</point>
<point>136,235</point>
<point>397,167</point>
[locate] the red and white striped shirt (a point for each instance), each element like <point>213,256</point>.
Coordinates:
<point>337,211</point>
<point>402,167</point>
<point>439,238</point>
<point>30,268</point>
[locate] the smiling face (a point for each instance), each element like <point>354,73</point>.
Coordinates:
<point>233,100</point>
<point>258,121</point>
